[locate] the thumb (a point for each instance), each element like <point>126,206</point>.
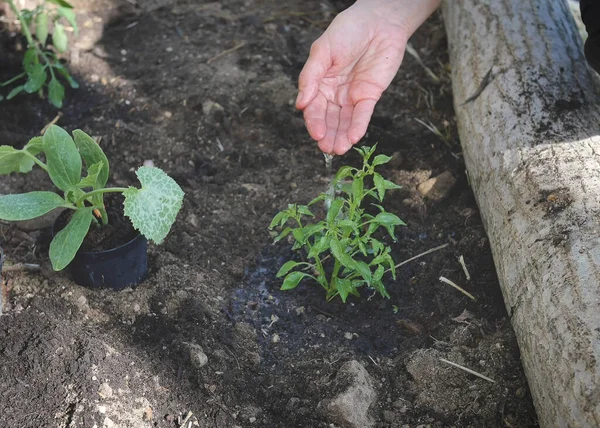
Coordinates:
<point>319,61</point>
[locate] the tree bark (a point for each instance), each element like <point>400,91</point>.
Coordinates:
<point>528,117</point>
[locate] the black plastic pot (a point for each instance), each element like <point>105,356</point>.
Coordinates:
<point>117,268</point>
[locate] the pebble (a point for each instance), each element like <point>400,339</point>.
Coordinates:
<point>197,356</point>
<point>348,335</point>
<point>275,338</point>
<point>437,188</point>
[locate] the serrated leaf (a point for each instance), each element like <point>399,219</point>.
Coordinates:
<point>56,93</point>
<point>91,180</point>
<point>41,27</point>
<point>69,15</point>
<point>13,160</point>
<point>293,279</point>
<point>35,79</point>
<point>25,206</point>
<point>62,158</point>
<point>287,266</point>
<point>16,91</point>
<point>66,243</point>
<point>380,160</point>
<point>92,154</point>
<point>153,208</point>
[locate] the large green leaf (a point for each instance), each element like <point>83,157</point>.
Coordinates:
<point>66,243</point>
<point>92,154</point>
<point>62,157</point>
<point>153,208</point>
<point>25,206</point>
<point>338,251</point>
<point>13,160</point>
<point>334,210</point>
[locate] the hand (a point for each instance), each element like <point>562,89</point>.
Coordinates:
<point>351,65</point>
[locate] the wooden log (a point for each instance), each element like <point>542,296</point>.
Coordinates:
<point>528,117</point>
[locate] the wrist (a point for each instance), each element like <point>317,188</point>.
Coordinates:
<point>408,15</point>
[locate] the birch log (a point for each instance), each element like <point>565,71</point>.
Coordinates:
<point>528,116</point>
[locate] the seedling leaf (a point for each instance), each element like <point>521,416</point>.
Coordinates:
<point>153,208</point>
<point>25,206</point>
<point>62,157</point>
<point>66,243</point>
<point>13,160</point>
<point>56,93</point>
<point>91,180</point>
<point>59,38</point>
<point>36,79</point>
<point>16,91</point>
<point>92,154</point>
<point>287,266</point>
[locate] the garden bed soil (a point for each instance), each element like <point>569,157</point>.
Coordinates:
<point>205,90</point>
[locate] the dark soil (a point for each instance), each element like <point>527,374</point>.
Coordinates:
<point>205,90</point>
<point>117,232</point>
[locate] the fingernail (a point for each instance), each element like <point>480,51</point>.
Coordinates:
<point>299,98</point>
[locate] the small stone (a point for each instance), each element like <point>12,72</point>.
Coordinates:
<point>396,160</point>
<point>197,356</point>
<point>168,114</point>
<point>293,403</point>
<point>136,307</point>
<point>348,335</point>
<point>252,419</point>
<point>169,49</point>
<point>105,391</point>
<point>437,188</point>
<point>108,423</point>
<point>148,162</point>
<point>520,393</point>
<point>275,338</point>
<point>192,219</point>
<point>350,409</point>
<point>389,416</point>
<point>300,310</point>
<point>102,409</point>
<point>123,52</point>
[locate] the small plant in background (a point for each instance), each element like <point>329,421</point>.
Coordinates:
<point>152,208</point>
<point>342,250</point>
<point>41,66</point>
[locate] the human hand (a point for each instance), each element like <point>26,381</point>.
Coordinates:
<point>351,65</point>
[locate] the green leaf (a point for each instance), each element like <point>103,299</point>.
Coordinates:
<point>36,79</point>
<point>338,251</point>
<point>320,246</point>
<point>288,266</point>
<point>343,172</point>
<point>303,209</point>
<point>91,180</point>
<point>281,216</point>
<point>13,160</point>
<point>62,70</point>
<point>379,182</point>
<point>319,198</point>
<point>62,158</point>
<point>25,206</point>
<point>363,269</point>
<point>59,38</point>
<point>153,208</point>
<point>334,210</point>
<point>16,91</point>
<point>357,190</point>
<point>62,3</point>
<point>66,243</point>
<point>69,15</point>
<point>41,27</point>
<point>299,235</point>
<point>56,93</point>
<point>344,287</point>
<point>35,146</point>
<point>380,160</point>
<point>388,219</point>
<point>285,232</point>
<point>30,59</point>
<point>293,279</point>
<point>92,154</point>
<point>379,273</point>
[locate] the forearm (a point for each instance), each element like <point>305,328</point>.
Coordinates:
<point>408,14</point>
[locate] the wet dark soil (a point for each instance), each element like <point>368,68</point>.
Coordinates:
<point>205,90</point>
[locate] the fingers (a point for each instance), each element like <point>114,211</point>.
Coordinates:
<point>361,117</point>
<point>332,118</point>
<point>342,143</point>
<point>315,117</point>
<point>319,61</point>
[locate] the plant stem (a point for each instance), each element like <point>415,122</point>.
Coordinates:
<point>24,26</point>
<point>101,191</point>
<point>9,81</point>
<point>36,160</point>
<point>336,269</point>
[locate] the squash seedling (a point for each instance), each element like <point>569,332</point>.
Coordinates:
<point>342,250</point>
<point>41,66</point>
<point>152,208</point>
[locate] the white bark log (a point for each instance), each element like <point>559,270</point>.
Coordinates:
<point>532,151</point>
